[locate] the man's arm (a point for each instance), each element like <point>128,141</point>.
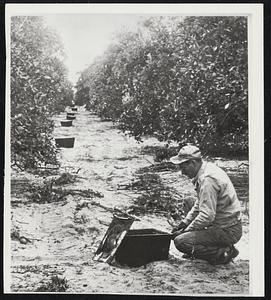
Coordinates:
<point>207,205</point>
<point>192,213</point>
<point>188,219</point>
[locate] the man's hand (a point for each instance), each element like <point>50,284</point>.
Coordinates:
<point>180,227</point>
<point>176,233</point>
<point>178,230</point>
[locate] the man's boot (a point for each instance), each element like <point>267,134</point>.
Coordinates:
<point>225,256</point>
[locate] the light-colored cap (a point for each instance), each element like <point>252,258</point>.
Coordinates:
<point>186,153</point>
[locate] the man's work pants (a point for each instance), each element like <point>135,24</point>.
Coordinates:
<point>208,243</point>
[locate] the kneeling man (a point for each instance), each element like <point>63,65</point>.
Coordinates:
<point>213,225</point>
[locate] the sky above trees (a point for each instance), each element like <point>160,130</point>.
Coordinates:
<point>87,36</point>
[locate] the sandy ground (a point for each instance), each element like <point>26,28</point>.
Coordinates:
<point>64,239</point>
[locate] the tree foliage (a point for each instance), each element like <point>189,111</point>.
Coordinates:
<point>39,88</point>
<point>179,79</point>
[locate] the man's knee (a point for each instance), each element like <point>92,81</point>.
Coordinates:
<point>183,242</point>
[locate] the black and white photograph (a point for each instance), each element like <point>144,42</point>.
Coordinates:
<point>134,149</point>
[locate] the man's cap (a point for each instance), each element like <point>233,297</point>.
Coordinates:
<point>186,153</point>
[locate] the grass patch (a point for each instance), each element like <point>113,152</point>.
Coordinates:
<point>126,157</point>
<point>157,198</point>
<point>65,178</point>
<point>45,171</point>
<point>56,284</point>
<point>160,167</point>
<point>15,233</point>
<point>45,192</point>
<point>160,153</point>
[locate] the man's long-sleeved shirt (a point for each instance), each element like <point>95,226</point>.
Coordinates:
<point>217,202</point>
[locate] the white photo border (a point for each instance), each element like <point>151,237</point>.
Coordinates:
<point>254,12</point>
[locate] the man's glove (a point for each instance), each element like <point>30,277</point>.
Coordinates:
<point>180,227</point>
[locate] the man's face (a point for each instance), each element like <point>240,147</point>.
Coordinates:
<point>188,168</point>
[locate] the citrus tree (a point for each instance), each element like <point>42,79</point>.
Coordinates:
<point>39,88</point>
<point>179,79</point>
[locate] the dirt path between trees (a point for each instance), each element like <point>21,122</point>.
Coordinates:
<point>63,236</point>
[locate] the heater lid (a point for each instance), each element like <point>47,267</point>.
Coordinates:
<point>113,237</point>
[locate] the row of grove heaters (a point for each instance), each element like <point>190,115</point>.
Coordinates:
<point>67,142</point>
